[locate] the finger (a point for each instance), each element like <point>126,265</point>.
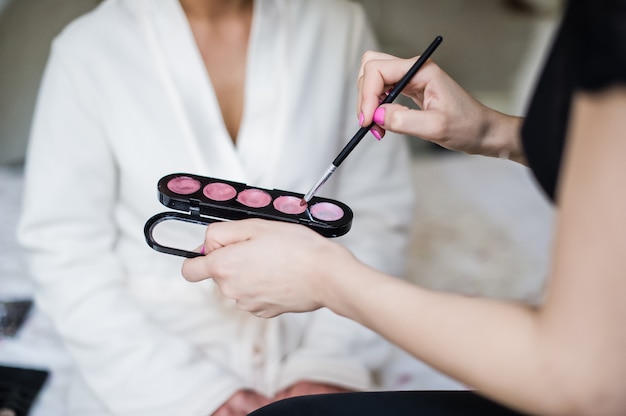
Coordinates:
<point>223,233</point>
<point>196,269</point>
<point>200,249</point>
<point>213,265</point>
<point>218,265</point>
<point>424,124</point>
<point>367,57</point>
<point>378,132</point>
<point>373,56</point>
<point>228,240</point>
<point>381,98</point>
<point>218,236</point>
<point>378,75</point>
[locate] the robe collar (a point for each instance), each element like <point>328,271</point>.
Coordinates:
<point>255,158</point>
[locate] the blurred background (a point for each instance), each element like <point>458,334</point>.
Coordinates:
<point>492,48</point>
<point>481,226</point>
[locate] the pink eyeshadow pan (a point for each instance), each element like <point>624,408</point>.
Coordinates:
<point>289,205</point>
<point>254,198</point>
<point>183,185</point>
<point>326,211</point>
<point>219,191</point>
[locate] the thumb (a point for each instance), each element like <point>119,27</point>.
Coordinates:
<point>424,124</point>
<point>218,235</point>
<point>224,233</point>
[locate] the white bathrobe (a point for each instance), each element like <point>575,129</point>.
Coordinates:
<point>125,100</point>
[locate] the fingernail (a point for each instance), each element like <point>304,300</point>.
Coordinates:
<point>202,250</point>
<point>361,118</point>
<point>379,116</point>
<point>376,134</point>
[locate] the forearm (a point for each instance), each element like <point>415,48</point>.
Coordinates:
<point>488,345</point>
<point>563,358</point>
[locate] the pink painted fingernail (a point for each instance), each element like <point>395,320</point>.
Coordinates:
<point>376,134</point>
<point>361,118</point>
<point>202,250</point>
<point>379,116</point>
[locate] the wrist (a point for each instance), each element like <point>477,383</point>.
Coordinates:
<point>502,136</point>
<point>336,277</point>
<point>348,286</point>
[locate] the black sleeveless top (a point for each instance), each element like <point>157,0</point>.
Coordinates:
<point>587,54</point>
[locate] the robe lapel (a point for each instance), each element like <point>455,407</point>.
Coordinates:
<point>194,94</point>
<point>255,159</point>
<point>265,117</point>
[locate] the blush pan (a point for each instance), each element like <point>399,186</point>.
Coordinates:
<point>289,205</point>
<point>327,211</point>
<point>183,185</point>
<point>254,198</point>
<point>219,191</point>
<point>203,200</point>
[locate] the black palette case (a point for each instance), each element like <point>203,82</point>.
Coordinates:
<point>204,200</point>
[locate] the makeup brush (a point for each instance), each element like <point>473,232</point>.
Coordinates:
<point>395,91</point>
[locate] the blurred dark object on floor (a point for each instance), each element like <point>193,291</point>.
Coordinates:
<point>19,388</point>
<point>13,314</point>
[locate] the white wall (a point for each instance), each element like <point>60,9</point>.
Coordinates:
<point>26,29</point>
<point>3,4</point>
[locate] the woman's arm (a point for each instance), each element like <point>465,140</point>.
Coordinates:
<point>565,357</point>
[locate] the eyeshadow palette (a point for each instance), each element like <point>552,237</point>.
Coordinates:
<point>205,200</point>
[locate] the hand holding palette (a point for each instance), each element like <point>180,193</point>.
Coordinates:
<point>206,200</point>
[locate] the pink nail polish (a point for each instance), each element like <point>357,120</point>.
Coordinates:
<point>379,116</point>
<point>361,118</point>
<point>376,134</point>
<point>202,250</point>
